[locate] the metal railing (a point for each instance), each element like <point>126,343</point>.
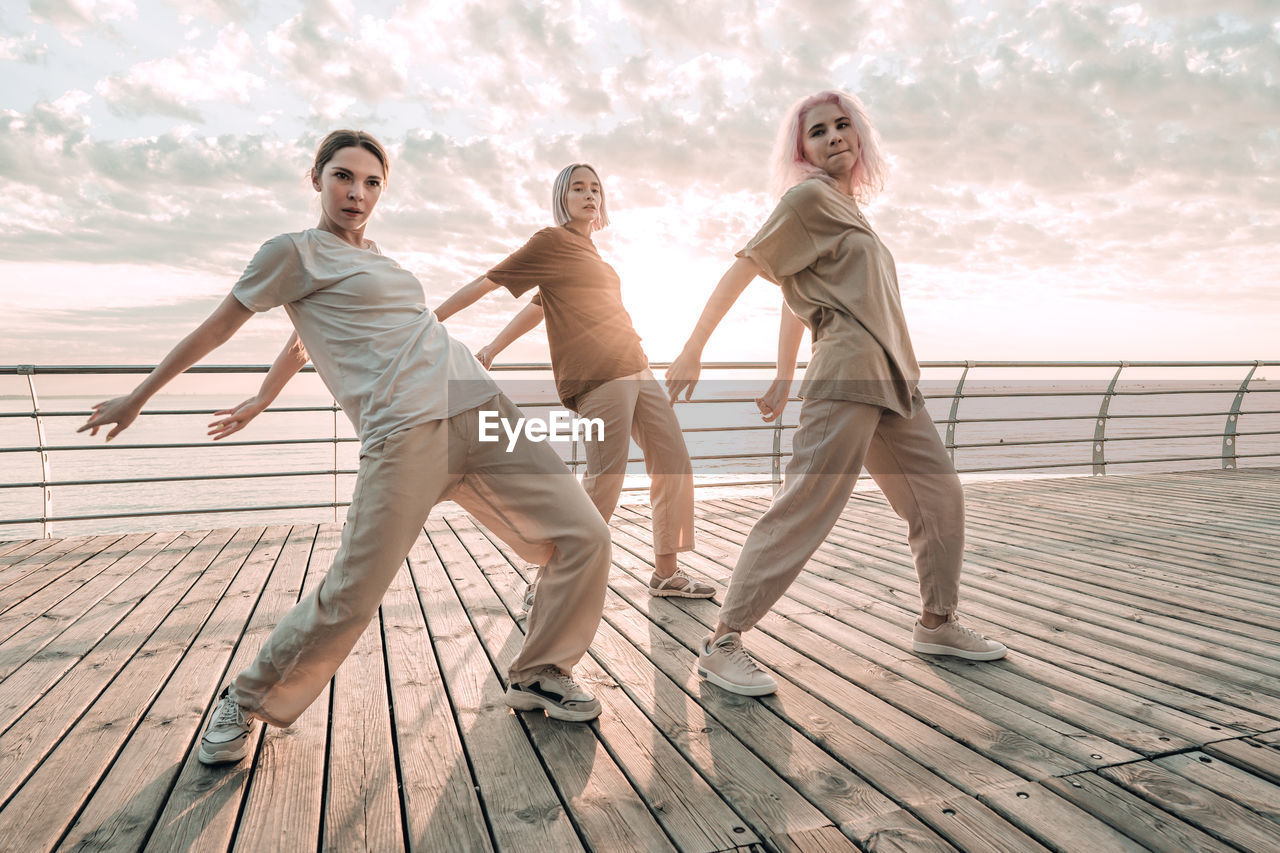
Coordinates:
<point>1102,427</point>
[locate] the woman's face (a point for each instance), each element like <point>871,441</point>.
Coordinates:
<point>830,141</point>
<point>583,199</point>
<point>350,185</point>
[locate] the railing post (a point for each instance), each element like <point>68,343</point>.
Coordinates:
<point>46,526</point>
<point>1229,431</point>
<point>775,468</point>
<point>335,461</point>
<point>1100,429</point>
<point>955,410</point>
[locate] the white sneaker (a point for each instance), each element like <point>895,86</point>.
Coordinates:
<point>227,736</point>
<point>529,592</point>
<point>726,664</point>
<point>556,693</point>
<point>679,585</point>
<point>952,638</point>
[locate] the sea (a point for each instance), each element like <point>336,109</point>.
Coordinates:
<point>164,473</point>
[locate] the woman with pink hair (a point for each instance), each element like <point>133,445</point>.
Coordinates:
<point>861,404</point>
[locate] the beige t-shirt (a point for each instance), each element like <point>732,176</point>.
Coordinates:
<point>364,321</point>
<point>590,333</point>
<point>840,280</point>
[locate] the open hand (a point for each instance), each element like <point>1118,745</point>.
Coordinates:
<point>120,411</point>
<point>236,419</point>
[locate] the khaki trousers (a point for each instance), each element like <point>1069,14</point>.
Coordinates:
<point>527,497</point>
<point>636,407</point>
<point>834,441</point>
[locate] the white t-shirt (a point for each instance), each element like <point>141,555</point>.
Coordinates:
<point>364,321</point>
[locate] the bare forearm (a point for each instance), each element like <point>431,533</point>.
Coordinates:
<point>730,287</point>
<point>215,331</point>
<point>464,296</point>
<point>521,324</point>
<point>287,364</point>
<point>790,333</point>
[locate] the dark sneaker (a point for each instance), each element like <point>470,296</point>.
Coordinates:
<point>726,664</point>
<point>952,638</point>
<point>227,736</point>
<point>679,585</point>
<point>556,693</point>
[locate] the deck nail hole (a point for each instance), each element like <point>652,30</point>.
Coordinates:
<point>948,812</point>
<point>1022,795</point>
<point>1096,757</point>
<point>1163,738</point>
<point>706,730</point>
<point>1216,728</point>
<point>1076,784</point>
<point>1204,759</point>
<point>739,829</point>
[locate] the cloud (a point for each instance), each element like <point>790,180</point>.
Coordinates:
<point>71,17</point>
<point>173,86</point>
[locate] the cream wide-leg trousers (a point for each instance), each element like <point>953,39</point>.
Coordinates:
<point>636,407</point>
<point>527,497</point>
<point>834,441</point>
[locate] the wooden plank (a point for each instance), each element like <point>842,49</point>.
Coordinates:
<point>31,549</point>
<point>1253,754</point>
<point>131,795</point>
<point>690,811</point>
<point>38,603</point>
<point>204,803</point>
<point>522,807</point>
<point>283,800</point>
<point>824,839</point>
<point>1145,823</point>
<point>841,651</point>
<point>36,622</point>
<point>32,575</point>
<point>42,725</point>
<point>1046,626</point>
<point>1214,814</point>
<point>1233,783</point>
<point>49,799</point>
<point>362,801</point>
<point>960,818</point>
<point>439,791</point>
<point>14,546</point>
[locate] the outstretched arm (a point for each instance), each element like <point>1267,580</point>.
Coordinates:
<point>215,331</point>
<point>464,296</point>
<point>682,375</point>
<point>287,364</point>
<point>526,321</point>
<point>790,333</point>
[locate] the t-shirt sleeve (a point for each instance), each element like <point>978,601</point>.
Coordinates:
<point>782,247</point>
<point>530,266</point>
<point>537,298</point>
<point>274,277</point>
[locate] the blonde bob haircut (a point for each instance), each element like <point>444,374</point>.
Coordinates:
<point>560,192</point>
<point>790,166</point>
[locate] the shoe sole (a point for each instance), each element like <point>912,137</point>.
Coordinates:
<point>677,593</point>
<point>225,755</point>
<point>933,649</point>
<point>522,701</point>
<point>740,689</point>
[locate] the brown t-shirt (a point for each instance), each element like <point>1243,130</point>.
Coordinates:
<point>590,333</point>
<point>840,280</point>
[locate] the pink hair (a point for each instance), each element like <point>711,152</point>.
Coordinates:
<point>790,166</point>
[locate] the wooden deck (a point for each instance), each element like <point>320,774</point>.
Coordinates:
<point>1138,709</point>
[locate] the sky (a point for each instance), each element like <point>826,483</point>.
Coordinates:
<point>1067,180</point>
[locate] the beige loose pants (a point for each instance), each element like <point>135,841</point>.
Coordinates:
<point>636,407</point>
<point>526,496</point>
<point>834,441</point>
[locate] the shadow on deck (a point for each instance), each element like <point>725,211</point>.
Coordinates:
<point>1139,707</point>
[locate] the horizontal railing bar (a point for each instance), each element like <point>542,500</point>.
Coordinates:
<point>275,442</point>
<point>123,481</point>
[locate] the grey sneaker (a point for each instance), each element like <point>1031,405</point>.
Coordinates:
<point>556,693</point>
<point>726,664</point>
<point>227,736</point>
<point>529,592</point>
<point>952,638</point>
<point>679,585</point>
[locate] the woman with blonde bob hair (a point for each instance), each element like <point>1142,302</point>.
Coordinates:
<point>415,397</point>
<point>600,369</point>
<point>862,406</point>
